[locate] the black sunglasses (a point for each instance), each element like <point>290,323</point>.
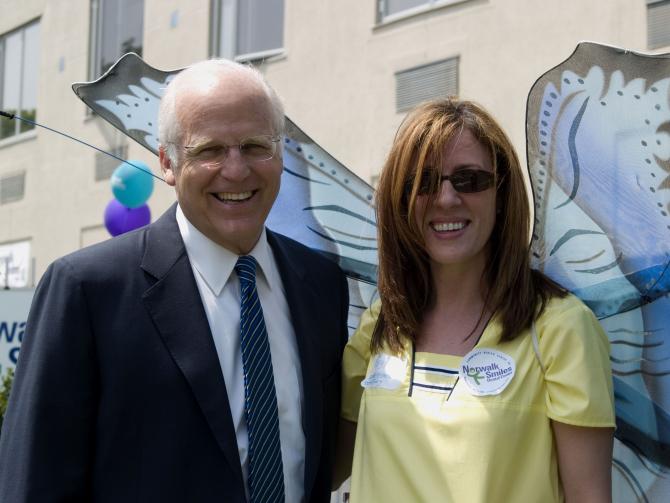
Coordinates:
<point>464,181</point>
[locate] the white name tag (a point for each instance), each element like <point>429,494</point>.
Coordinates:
<point>387,372</point>
<point>487,371</point>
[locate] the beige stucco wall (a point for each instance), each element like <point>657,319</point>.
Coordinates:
<point>336,76</point>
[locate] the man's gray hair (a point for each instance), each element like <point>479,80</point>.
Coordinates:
<point>169,128</point>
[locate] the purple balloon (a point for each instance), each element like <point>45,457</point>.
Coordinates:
<point>119,219</point>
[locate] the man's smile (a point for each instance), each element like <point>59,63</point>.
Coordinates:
<point>234,197</point>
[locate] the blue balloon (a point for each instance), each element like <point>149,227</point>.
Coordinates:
<point>132,185</point>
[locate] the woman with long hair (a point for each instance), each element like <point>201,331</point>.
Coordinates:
<point>474,378</point>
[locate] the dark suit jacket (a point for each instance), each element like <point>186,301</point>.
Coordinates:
<point>119,395</point>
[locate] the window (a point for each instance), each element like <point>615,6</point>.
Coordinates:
<point>427,82</point>
<point>19,62</point>
<point>246,30</point>
<point>116,28</point>
<point>388,9</point>
<point>658,23</point>
<point>12,188</point>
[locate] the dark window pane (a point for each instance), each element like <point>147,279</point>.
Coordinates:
<point>11,81</point>
<point>658,24</point>
<point>121,26</point>
<point>31,58</point>
<point>20,62</point>
<point>395,6</point>
<point>260,26</point>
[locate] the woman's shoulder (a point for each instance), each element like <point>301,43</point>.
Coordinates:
<point>574,352</point>
<point>567,322</point>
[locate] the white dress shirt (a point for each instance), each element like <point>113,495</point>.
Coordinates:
<point>219,287</point>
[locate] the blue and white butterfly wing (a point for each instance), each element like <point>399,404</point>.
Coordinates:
<point>325,206</point>
<point>128,96</point>
<point>598,150</point>
<point>600,131</point>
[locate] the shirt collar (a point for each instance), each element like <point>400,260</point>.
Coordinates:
<point>215,263</point>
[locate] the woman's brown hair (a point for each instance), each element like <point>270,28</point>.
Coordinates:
<point>516,293</point>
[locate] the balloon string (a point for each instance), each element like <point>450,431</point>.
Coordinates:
<point>23,119</point>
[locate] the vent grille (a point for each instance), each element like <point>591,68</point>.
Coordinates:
<point>105,165</point>
<point>416,85</point>
<point>658,24</point>
<point>12,188</point>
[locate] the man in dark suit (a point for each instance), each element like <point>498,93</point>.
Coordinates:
<point>139,376</point>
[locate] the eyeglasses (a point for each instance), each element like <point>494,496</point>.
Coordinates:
<point>464,181</point>
<point>253,149</point>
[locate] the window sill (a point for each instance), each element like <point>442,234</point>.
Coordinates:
<point>19,138</point>
<point>262,56</point>
<point>415,12</point>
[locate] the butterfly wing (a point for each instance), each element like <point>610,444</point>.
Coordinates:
<point>325,206</point>
<point>127,96</point>
<point>598,140</point>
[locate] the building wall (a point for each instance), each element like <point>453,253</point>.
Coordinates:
<point>336,76</point>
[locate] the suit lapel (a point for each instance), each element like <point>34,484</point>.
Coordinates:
<point>177,311</point>
<point>303,305</point>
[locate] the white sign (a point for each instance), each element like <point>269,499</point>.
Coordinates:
<point>15,265</point>
<point>14,307</point>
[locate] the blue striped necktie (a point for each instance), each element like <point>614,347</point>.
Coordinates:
<point>266,473</point>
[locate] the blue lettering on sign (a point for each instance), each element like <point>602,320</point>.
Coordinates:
<point>14,355</point>
<point>11,333</point>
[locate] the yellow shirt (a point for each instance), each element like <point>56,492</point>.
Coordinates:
<point>424,436</point>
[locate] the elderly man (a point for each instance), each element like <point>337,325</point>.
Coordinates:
<point>197,359</point>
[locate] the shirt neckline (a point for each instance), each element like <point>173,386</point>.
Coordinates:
<point>215,263</point>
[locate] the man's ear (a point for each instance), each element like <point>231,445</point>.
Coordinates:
<point>166,166</point>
